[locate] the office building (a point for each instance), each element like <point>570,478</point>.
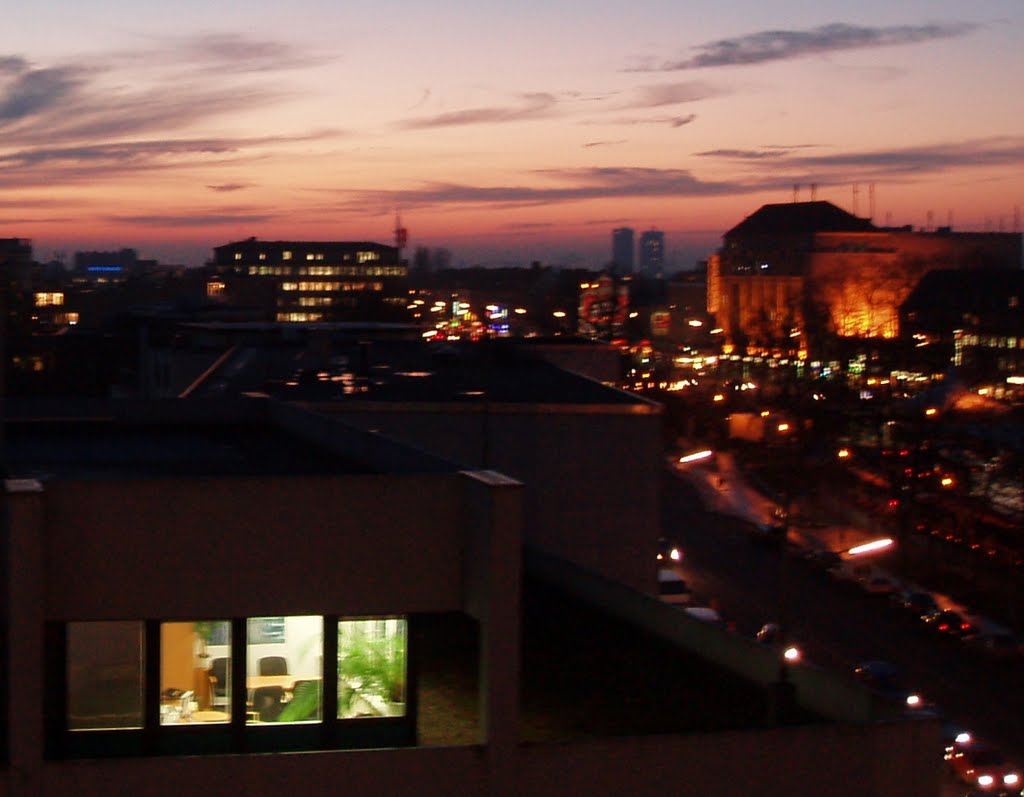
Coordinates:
<point>652,254</point>
<point>310,281</point>
<point>622,250</point>
<point>193,586</point>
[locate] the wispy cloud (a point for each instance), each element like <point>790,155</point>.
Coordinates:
<point>671,121</point>
<point>530,106</point>
<point>920,160</point>
<point>590,144</point>
<point>224,188</point>
<point>776,168</point>
<point>778,45</point>
<point>96,117</point>
<point>660,95</point>
<point>563,185</point>
<point>198,219</point>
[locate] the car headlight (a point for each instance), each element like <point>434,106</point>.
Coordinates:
<point>985,780</point>
<point>675,555</point>
<point>1011,779</point>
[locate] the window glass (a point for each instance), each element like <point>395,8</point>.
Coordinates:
<point>195,672</point>
<point>372,667</point>
<point>104,671</point>
<point>284,668</point>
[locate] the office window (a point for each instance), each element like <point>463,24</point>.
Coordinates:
<point>195,681</point>
<point>104,675</point>
<point>284,669</point>
<point>286,254</point>
<point>372,667</point>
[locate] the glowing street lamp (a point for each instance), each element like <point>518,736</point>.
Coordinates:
<point>870,547</point>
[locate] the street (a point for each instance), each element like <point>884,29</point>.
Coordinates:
<point>838,625</point>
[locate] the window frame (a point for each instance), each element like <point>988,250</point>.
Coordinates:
<point>235,736</point>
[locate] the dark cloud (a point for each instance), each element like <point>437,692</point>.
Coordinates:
<point>778,45</point>
<point>35,90</point>
<point>195,220</point>
<point>671,121</point>
<point>993,152</point>
<point>744,154</point>
<point>228,187</point>
<point>777,169</point>
<point>569,185</point>
<point>531,106</point>
<point>75,164</point>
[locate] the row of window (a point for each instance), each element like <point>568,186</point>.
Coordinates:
<point>307,287</point>
<point>361,256</point>
<point>327,271</point>
<point>264,672</point>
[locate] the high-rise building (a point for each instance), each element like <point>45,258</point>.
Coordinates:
<point>622,250</point>
<point>652,253</point>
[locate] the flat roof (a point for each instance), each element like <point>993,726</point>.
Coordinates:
<point>404,372</point>
<point>585,674</point>
<point>112,449</point>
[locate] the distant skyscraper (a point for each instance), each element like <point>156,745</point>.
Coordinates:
<point>652,253</point>
<point>622,250</point>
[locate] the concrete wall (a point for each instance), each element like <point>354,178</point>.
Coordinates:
<point>591,474</point>
<point>181,548</point>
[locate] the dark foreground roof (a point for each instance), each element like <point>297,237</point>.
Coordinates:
<point>794,218</point>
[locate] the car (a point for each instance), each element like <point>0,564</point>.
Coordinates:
<point>880,584</point>
<point>996,646</point>
<point>669,552</point>
<point>915,602</point>
<point>886,679</point>
<point>823,559</point>
<point>772,533</point>
<point>984,768</point>
<point>672,588</point>
<point>771,634</point>
<point>951,622</point>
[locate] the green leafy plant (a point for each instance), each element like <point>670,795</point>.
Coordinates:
<point>373,666</point>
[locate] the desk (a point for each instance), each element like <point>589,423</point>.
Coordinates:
<point>286,682</point>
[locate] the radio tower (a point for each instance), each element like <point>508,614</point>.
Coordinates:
<point>401,235</point>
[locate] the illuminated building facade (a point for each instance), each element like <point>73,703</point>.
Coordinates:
<point>790,275</point>
<point>308,281</point>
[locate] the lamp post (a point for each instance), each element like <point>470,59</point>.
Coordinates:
<point>783,691</point>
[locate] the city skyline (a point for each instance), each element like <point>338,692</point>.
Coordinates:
<point>504,138</point>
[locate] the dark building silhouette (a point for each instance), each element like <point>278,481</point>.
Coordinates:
<point>622,250</point>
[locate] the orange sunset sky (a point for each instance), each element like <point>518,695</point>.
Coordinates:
<point>504,132</point>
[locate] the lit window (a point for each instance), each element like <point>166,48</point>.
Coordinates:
<point>195,680</point>
<point>214,288</point>
<point>49,299</point>
<point>283,669</point>
<point>286,254</point>
<point>238,255</point>
<point>310,256</point>
<point>263,255</point>
<point>363,257</point>
<point>372,667</point>
<point>104,671</point>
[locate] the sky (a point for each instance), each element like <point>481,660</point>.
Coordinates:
<point>505,132</point>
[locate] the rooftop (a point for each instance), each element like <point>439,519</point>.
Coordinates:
<point>585,674</point>
<point>795,218</point>
<point>106,449</point>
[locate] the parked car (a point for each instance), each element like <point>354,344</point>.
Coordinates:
<point>950,622</point>
<point>984,768</point>
<point>915,602</point>
<point>880,584</point>
<point>669,551</point>
<point>996,646</point>
<point>886,679</point>
<point>672,587</point>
